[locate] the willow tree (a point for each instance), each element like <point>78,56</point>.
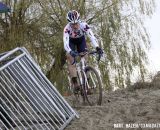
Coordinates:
<point>54,21</point>
<point>121,32</point>
<point>118,25</point>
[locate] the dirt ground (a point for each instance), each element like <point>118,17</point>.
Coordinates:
<point>135,109</point>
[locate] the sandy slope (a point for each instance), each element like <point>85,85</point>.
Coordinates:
<point>139,107</point>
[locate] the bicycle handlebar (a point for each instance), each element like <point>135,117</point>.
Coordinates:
<point>89,53</point>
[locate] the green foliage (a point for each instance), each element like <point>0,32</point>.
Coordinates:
<point>38,26</point>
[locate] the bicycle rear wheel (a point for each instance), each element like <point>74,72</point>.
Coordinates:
<point>92,86</point>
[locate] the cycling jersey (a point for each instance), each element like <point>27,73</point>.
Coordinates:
<point>70,34</point>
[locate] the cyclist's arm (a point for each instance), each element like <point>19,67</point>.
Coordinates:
<point>66,40</point>
<point>91,35</point>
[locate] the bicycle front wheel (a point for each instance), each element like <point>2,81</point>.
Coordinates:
<point>93,86</point>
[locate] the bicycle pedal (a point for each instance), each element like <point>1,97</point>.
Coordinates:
<point>76,90</point>
<point>89,92</point>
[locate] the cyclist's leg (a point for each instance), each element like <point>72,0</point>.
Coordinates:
<point>72,68</point>
<point>79,45</point>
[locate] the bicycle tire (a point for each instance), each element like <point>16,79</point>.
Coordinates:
<point>95,97</point>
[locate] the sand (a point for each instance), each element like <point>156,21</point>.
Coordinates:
<point>134,109</point>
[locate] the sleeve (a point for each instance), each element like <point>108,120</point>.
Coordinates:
<point>66,39</point>
<point>91,35</point>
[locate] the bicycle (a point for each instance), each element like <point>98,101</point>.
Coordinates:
<point>89,80</point>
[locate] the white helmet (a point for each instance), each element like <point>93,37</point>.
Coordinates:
<point>73,16</point>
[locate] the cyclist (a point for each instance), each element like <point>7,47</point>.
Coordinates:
<point>75,41</point>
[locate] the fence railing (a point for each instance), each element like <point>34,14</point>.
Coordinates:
<point>28,99</point>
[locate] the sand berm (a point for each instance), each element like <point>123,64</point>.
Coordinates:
<point>134,108</point>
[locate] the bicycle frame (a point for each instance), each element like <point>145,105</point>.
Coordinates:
<point>88,79</point>
<point>81,69</point>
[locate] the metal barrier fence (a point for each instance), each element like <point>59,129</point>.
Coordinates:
<point>28,100</point>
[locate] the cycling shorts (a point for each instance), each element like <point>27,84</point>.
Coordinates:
<point>78,44</point>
